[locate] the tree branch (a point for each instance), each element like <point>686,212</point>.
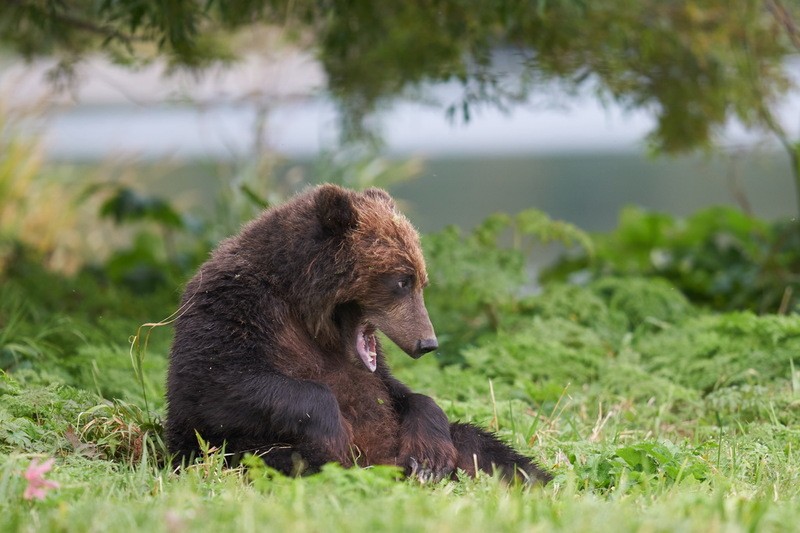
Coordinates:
<point>84,25</point>
<point>785,19</point>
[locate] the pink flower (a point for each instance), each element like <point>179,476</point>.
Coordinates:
<point>37,485</point>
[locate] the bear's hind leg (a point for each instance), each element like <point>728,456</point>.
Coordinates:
<point>482,449</point>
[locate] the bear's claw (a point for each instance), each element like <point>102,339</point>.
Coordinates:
<point>424,474</point>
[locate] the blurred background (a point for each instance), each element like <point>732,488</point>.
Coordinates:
<point>571,155</point>
<point>571,139</point>
<point>608,193</point>
<point>192,118</point>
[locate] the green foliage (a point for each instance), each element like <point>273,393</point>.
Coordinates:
<point>75,331</point>
<point>19,164</point>
<point>542,359</point>
<point>37,418</point>
<point>647,465</point>
<point>359,169</point>
<point>476,279</point>
<point>651,412</point>
<point>123,432</point>
<point>613,305</point>
<point>719,351</point>
<point>646,303</point>
<point>694,64</point>
<point>570,335</point>
<point>355,483</point>
<point>126,205</point>
<point>158,255</point>
<point>23,342</point>
<point>718,257</point>
<point>118,28</point>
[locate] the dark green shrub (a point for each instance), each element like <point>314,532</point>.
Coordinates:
<point>718,257</point>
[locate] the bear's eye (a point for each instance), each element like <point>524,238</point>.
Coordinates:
<point>404,283</point>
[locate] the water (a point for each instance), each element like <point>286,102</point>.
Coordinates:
<point>582,166</point>
<point>590,189</point>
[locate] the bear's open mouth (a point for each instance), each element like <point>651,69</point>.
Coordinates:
<point>366,346</point>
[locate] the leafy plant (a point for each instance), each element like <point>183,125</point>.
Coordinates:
<point>718,257</point>
<point>476,279</point>
<point>35,417</point>
<point>721,351</point>
<point>123,432</point>
<point>358,168</point>
<point>157,255</point>
<point>25,187</point>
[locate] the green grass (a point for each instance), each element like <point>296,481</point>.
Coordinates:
<point>654,415</point>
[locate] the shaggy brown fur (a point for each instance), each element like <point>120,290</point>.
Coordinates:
<point>276,353</point>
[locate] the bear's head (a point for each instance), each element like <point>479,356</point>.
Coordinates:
<point>388,271</point>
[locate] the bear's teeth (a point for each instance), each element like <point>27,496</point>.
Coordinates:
<point>367,351</point>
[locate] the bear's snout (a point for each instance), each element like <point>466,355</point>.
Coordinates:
<point>425,345</point>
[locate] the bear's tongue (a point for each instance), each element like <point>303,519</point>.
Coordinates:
<point>366,348</point>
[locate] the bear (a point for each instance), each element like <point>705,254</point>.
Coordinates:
<point>275,350</point>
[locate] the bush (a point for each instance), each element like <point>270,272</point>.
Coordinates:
<point>719,258</point>
<point>477,278</point>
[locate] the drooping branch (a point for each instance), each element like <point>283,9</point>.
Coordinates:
<point>78,23</point>
<point>785,19</point>
<point>103,31</point>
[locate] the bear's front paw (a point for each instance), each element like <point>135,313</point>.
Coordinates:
<point>431,462</point>
<point>337,443</point>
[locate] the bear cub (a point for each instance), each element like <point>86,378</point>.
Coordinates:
<point>275,351</point>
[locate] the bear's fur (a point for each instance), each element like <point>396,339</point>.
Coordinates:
<point>275,350</point>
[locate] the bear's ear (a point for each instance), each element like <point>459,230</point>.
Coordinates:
<point>335,210</point>
<point>380,195</point>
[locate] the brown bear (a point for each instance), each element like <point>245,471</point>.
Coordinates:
<point>275,351</point>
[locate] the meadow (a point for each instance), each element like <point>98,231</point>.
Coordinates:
<point>653,371</point>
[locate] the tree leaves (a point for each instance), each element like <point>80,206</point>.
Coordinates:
<point>693,64</point>
<point>127,205</point>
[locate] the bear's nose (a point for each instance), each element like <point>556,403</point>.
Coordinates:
<point>427,345</point>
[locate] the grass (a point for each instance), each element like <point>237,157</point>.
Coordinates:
<point>653,414</point>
